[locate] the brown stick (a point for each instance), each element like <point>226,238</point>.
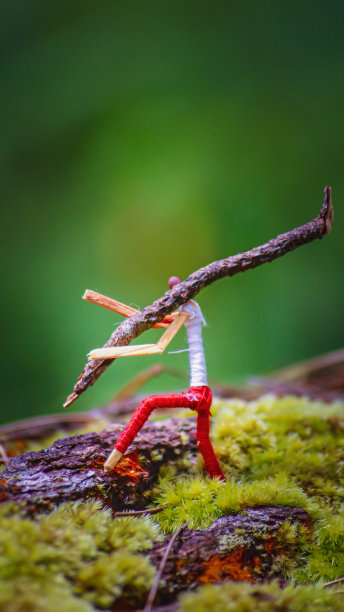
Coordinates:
<point>141,512</point>
<point>336,581</point>
<point>186,290</point>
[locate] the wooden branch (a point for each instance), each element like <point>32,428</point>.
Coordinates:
<point>72,468</point>
<point>129,389</point>
<point>150,511</point>
<point>336,581</point>
<point>186,290</point>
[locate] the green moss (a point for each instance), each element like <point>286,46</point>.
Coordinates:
<point>244,597</point>
<point>25,595</point>
<point>106,580</point>
<point>77,549</point>
<point>190,499</point>
<point>280,451</point>
<point>323,558</point>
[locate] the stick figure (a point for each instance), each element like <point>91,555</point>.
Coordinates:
<point>198,397</point>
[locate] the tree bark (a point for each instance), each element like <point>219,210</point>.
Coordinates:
<point>243,546</point>
<point>72,468</point>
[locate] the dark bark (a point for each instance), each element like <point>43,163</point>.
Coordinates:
<point>186,290</point>
<point>72,468</point>
<point>243,546</point>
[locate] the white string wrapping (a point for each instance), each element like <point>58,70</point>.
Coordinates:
<point>193,324</point>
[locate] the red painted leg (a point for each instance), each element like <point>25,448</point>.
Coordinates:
<point>204,444</point>
<point>197,398</point>
<point>206,448</point>
<point>144,410</point>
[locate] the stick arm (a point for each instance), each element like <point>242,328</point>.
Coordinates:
<point>114,352</point>
<point>119,308</point>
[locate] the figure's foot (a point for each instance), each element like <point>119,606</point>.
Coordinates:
<point>113,459</point>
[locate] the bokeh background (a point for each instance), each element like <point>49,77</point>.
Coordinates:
<point>144,139</point>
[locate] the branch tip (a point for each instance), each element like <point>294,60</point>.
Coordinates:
<point>70,399</point>
<point>326,212</point>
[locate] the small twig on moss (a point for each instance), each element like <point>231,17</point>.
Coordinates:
<point>154,589</point>
<point>140,512</point>
<point>3,455</point>
<point>334,582</point>
<point>186,290</point>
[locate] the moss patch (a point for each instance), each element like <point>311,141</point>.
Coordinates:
<point>77,553</point>
<point>274,451</point>
<point>244,597</point>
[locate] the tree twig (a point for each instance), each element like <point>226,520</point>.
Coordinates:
<point>186,290</point>
<point>3,455</point>
<point>336,581</point>
<point>154,589</point>
<point>140,512</point>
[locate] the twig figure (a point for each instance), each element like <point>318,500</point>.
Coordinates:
<point>198,397</point>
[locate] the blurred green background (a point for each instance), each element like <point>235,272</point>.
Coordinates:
<point>144,139</point>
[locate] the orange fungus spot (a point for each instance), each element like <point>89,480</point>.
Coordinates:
<point>130,468</point>
<point>232,566</point>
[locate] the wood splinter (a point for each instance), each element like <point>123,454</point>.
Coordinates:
<point>119,308</point>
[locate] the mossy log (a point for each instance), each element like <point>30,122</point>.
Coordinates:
<point>227,542</point>
<point>72,468</point>
<point>245,546</point>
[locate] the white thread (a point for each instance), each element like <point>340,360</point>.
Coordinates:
<point>193,324</point>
